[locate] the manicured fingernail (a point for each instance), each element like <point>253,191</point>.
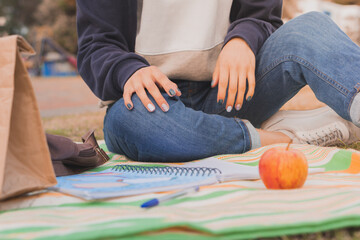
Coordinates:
<point>151,107</point>
<point>165,107</point>
<point>212,82</point>
<point>221,101</point>
<point>229,108</point>
<point>172,92</point>
<point>238,107</point>
<point>249,98</point>
<point>179,91</point>
<point>129,106</point>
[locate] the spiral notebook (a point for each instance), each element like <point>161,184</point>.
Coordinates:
<point>126,180</point>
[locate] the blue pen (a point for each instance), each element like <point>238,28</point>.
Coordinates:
<point>156,201</point>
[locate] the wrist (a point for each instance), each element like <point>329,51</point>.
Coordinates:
<point>237,41</point>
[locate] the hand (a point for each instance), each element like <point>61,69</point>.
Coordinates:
<point>235,66</point>
<point>149,78</point>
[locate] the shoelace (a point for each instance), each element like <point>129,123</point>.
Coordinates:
<point>326,137</point>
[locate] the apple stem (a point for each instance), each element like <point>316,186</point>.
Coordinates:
<point>287,148</point>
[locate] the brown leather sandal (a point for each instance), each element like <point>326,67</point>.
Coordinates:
<point>89,138</point>
<point>72,158</point>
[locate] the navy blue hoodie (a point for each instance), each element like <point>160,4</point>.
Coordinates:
<point>116,38</point>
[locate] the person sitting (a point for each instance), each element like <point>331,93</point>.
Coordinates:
<point>188,79</point>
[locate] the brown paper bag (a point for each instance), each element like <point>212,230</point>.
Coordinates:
<point>25,163</point>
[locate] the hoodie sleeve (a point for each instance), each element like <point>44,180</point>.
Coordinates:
<point>106,40</point>
<point>254,21</point>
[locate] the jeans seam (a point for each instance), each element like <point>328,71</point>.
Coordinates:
<point>246,133</point>
<point>357,88</point>
<point>309,66</point>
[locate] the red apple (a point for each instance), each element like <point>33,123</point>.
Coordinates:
<point>283,168</point>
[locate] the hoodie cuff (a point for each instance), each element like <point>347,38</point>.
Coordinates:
<point>249,31</point>
<point>125,70</point>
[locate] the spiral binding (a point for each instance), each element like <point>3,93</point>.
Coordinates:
<point>176,171</point>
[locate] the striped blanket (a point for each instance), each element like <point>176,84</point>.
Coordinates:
<point>231,210</point>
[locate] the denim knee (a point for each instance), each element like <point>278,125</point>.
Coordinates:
<point>304,36</point>
<point>139,134</point>
<point>118,127</point>
<point>313,18</point>
<point>312,22</point>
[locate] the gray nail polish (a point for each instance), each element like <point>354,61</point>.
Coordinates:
<point>129,106</point>
<point>179,91</point>
<point>238,107</point>
<point>249,98</point>
<point>221,101</point>
<point>165,107</point>
<point>229,108</point>
<point>172,92</point>
<point>151,107</point>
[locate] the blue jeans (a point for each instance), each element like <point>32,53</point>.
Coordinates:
<point>310,49</point>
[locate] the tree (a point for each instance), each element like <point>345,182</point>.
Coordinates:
<point>19,15</point>
<point>26,17</point>
<point>60,15</point>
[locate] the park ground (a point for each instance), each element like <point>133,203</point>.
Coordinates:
<point>68,107</point>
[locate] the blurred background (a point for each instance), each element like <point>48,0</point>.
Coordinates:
<point>64,99</point>
<point>346,13</point>
<point>50,27</point>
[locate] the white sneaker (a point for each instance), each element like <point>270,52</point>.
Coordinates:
<point>322,127</point>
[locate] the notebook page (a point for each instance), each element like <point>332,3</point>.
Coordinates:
<point>229,171</point>
<point>233,171</point>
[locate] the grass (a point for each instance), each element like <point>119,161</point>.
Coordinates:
<point>74,126</point>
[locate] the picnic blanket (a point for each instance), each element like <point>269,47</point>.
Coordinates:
<point>230,210</point>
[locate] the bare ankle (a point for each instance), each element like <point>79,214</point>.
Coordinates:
<point>268,138</point>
